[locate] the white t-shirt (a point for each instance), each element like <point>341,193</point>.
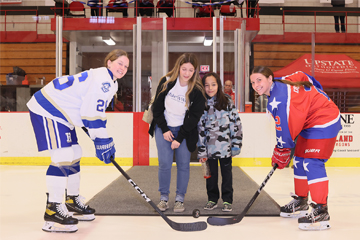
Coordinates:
<point>175,105</point>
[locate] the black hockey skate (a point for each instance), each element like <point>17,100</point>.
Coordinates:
<point>317,220</point>
<point>298,207</point>
<point>78,209</point>
<point>57,219</point>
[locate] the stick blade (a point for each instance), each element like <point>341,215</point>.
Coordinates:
<point>189,227</point>
<point>215,221</point>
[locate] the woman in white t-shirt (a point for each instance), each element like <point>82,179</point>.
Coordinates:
<point>178,106</point>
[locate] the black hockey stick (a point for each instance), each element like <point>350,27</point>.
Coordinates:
<point>185,227</point>
<point>226,221</point>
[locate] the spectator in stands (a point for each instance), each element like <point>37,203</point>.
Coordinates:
<point>261,103</point>
<point>146,8</point>
<point>228,89</point>
<point>250,7</point>
<point>204,11</point>
<point>167,6</point>
<point>96,7</point>
<point>339,3</point>
<point>59,5</point>
<point>118,105</point>
<point>123,7</point>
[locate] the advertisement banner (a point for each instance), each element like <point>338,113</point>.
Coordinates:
<point>348,140</point>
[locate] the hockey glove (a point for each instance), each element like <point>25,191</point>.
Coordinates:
<point>281,156</point>
<point>104,149</point>
<point>235,151</point>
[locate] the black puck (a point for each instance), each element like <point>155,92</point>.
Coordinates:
<point>196,213</point>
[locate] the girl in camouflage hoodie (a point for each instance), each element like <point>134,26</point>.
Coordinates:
<point>220,138</point>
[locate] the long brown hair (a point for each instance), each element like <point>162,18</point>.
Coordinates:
<point>194,82</point>
<point>113,55</point>
<point>267,73</point>
<point>221,100</point>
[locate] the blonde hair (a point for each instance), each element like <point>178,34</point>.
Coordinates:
<point>113,55</point>
<point>267,73</point>
<point>195,80</point>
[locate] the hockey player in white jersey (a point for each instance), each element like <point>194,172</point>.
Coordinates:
<point>68,101</point>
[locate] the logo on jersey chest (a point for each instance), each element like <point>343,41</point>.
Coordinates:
<point>105,87</point>
<point>296,89</point>
<point>312,150</point>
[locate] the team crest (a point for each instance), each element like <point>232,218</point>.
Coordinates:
<point>105,87</point>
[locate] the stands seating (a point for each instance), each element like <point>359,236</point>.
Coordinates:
<point>228,10</point>
<point>76,9</point>
<point>145,8</point>
<point>205,11</point>
<point>165,6</point>
<point>117,6</point>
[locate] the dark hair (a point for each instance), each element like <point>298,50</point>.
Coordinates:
<point>267,73</point>
<point>221,100</point>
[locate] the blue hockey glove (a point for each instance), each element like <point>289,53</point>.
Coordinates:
<point>235,151</point>
<point>105,149</point>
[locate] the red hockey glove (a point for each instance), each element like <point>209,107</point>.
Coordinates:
<point>281,156</point>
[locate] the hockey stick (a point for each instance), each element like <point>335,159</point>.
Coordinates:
<point>185,227</point>
<point>226,221</point>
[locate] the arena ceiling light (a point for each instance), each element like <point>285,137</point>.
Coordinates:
<point>108,40</point>
<point>208,41</point>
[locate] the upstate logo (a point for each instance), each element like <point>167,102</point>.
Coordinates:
<point>313,150</point>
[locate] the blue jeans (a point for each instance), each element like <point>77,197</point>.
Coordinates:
<point>165,155</point>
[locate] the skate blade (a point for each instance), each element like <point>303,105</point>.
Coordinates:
<point>87,217</point>
<point>59,228</point>
<point>319,226</point>
<point>298,214</point>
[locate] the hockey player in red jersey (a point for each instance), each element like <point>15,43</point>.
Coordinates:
<point>301,108</point>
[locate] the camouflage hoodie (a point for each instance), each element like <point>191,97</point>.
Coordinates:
<point>220,132</point>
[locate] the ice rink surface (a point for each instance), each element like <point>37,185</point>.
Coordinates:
<point>22,206</point>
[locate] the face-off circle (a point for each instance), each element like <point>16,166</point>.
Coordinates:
<point>196,213</point>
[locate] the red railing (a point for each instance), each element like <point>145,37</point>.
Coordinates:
<point>316,14</point>
<point>6,11</point>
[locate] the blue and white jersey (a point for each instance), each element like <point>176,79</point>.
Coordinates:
<point>77,100</point>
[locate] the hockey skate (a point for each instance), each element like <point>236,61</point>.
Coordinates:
<point>57,219</point>
<point>317,220</point>
<point>78,209</point>
<point>298,207</point>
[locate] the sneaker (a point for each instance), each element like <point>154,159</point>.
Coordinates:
<point>76,205</point>
<point>298,207</point>
<point>179,207</point>
<point>318,219</point>
<point>227,207</point>
<point>163,205</point>
<point>210,205</point>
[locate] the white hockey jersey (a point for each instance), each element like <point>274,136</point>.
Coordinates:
<point>77,100</point>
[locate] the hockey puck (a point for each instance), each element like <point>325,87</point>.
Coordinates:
<point>196,213</point>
